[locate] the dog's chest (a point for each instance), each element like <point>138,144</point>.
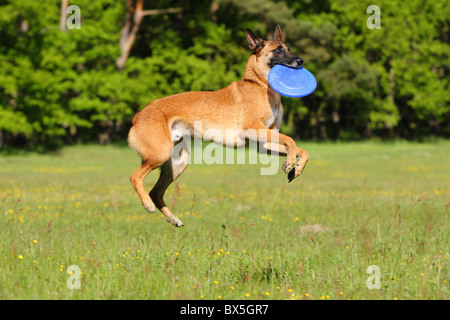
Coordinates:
<point>274,116</point>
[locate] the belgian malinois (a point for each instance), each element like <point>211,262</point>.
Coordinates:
<point>248,105</point>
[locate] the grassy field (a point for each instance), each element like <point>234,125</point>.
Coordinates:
<point>246,236</point>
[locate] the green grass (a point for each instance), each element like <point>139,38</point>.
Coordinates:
<point>246,236</point>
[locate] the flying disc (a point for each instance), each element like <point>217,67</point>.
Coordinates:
<point>290,82</point>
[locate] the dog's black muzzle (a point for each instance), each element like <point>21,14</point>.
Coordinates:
<point>299,61</point>
<point>294,62</point>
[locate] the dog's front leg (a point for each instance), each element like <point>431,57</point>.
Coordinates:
<point>264,135</point>
<point>302,156</point>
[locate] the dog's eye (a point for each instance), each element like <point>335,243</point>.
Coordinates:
<point>279,50</point>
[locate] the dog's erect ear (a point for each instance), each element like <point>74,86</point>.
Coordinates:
<point>254,41</point>
<point>277,34</point>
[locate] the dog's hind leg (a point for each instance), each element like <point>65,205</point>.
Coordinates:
<point>137,180</point>
<point>154,154</point>
<point>170,171</point>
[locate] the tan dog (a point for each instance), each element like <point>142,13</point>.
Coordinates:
<point>248,105</point>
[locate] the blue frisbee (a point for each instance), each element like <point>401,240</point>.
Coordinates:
<point>290,82</point>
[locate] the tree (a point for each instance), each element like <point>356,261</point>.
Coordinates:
<point>86,84</point>
<point>133,19</point>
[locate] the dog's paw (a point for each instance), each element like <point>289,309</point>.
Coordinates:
<point>287,166</point>
<point>176,222</point>
<point>295,172</point>
<point>149,206</point>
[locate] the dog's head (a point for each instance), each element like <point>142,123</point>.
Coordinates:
<point>272,52</point>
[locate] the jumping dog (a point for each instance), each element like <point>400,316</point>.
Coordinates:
<point>248,105</point>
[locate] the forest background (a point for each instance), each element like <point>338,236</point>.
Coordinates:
<point>61,86</point>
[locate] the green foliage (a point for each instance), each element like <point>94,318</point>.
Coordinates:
<point>63,87</point>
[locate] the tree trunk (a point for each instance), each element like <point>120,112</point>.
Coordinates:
<point>63,19</point>
<point>130,29</point>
